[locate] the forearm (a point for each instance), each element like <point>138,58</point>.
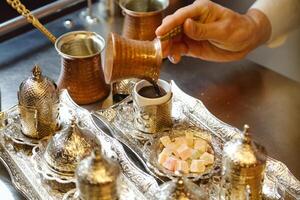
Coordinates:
<point>284,15</point>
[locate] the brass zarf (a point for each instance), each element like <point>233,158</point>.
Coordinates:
<point>38,101</point>
<point>243,169</point>
<point>96,178</point>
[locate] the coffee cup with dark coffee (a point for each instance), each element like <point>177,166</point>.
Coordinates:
<point>152,106</point>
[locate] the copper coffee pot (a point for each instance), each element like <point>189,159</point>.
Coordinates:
<point>128,58</point>
<point>81,71</point>
<point>142,17</point>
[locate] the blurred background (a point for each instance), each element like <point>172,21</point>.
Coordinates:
<point>284,60</point>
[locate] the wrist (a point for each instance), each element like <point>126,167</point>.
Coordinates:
<point>262,26</point>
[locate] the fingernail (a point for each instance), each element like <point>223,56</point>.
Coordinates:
<point>171,59</point>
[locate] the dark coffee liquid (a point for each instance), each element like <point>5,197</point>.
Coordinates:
<point>151,92</point>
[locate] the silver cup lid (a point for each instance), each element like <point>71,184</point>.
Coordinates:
<point>242,152</point>
<point>68,147</point>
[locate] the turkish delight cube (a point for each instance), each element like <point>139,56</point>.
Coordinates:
<point>182,166</point>
<point>184,152</point>
<point>197,166</point>
<point>165,140</point>
<point>208,158</point>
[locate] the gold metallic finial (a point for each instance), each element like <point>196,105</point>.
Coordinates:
<point>246,129</point>
<point>36,71</point>
<point>247,136</point>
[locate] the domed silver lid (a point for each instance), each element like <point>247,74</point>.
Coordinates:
<point>69,146</point>
<point>96,177</point>
<point>243,152</point>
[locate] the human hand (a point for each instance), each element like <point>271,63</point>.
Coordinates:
<point>212,32</point>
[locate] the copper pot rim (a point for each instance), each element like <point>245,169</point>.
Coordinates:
<point>143,14</point>
<point>90,33</point>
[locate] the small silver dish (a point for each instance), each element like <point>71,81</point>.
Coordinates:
<point>60,182</point>
<point>153,148</point>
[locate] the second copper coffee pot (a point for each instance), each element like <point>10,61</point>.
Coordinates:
<point>142,17</point>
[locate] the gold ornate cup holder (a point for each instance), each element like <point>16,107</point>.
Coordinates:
<point>13,129</point>
<point>59,180</point>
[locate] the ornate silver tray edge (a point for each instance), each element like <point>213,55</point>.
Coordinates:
<point>18,179</point>
<point>275,169</point>
<point>27,184</point>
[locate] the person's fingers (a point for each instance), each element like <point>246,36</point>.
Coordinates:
<point>199,31</point>
<point>165,47</point>
<point>173,59</point>
<point>176,51</point>
<point>209,52</point>
<point>178,18</point>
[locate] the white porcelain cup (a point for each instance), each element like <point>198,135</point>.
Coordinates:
<point>144,101</point>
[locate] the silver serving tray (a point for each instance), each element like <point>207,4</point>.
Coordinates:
<point>141,184</point>
<point>17,157</point>
<point>279,181</point>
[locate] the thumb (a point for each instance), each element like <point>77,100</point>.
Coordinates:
<point>199,31</point>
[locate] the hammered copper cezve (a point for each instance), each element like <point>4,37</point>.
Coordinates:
<point>128,58</point>
<point>81,71</point>
<point>142,17</point>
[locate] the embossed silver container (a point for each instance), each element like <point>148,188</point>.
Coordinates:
<point>243,169</point>
<point>152,115</point>
<point>68,147</point>
<point>38,101</point>
<point>96,178</point>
